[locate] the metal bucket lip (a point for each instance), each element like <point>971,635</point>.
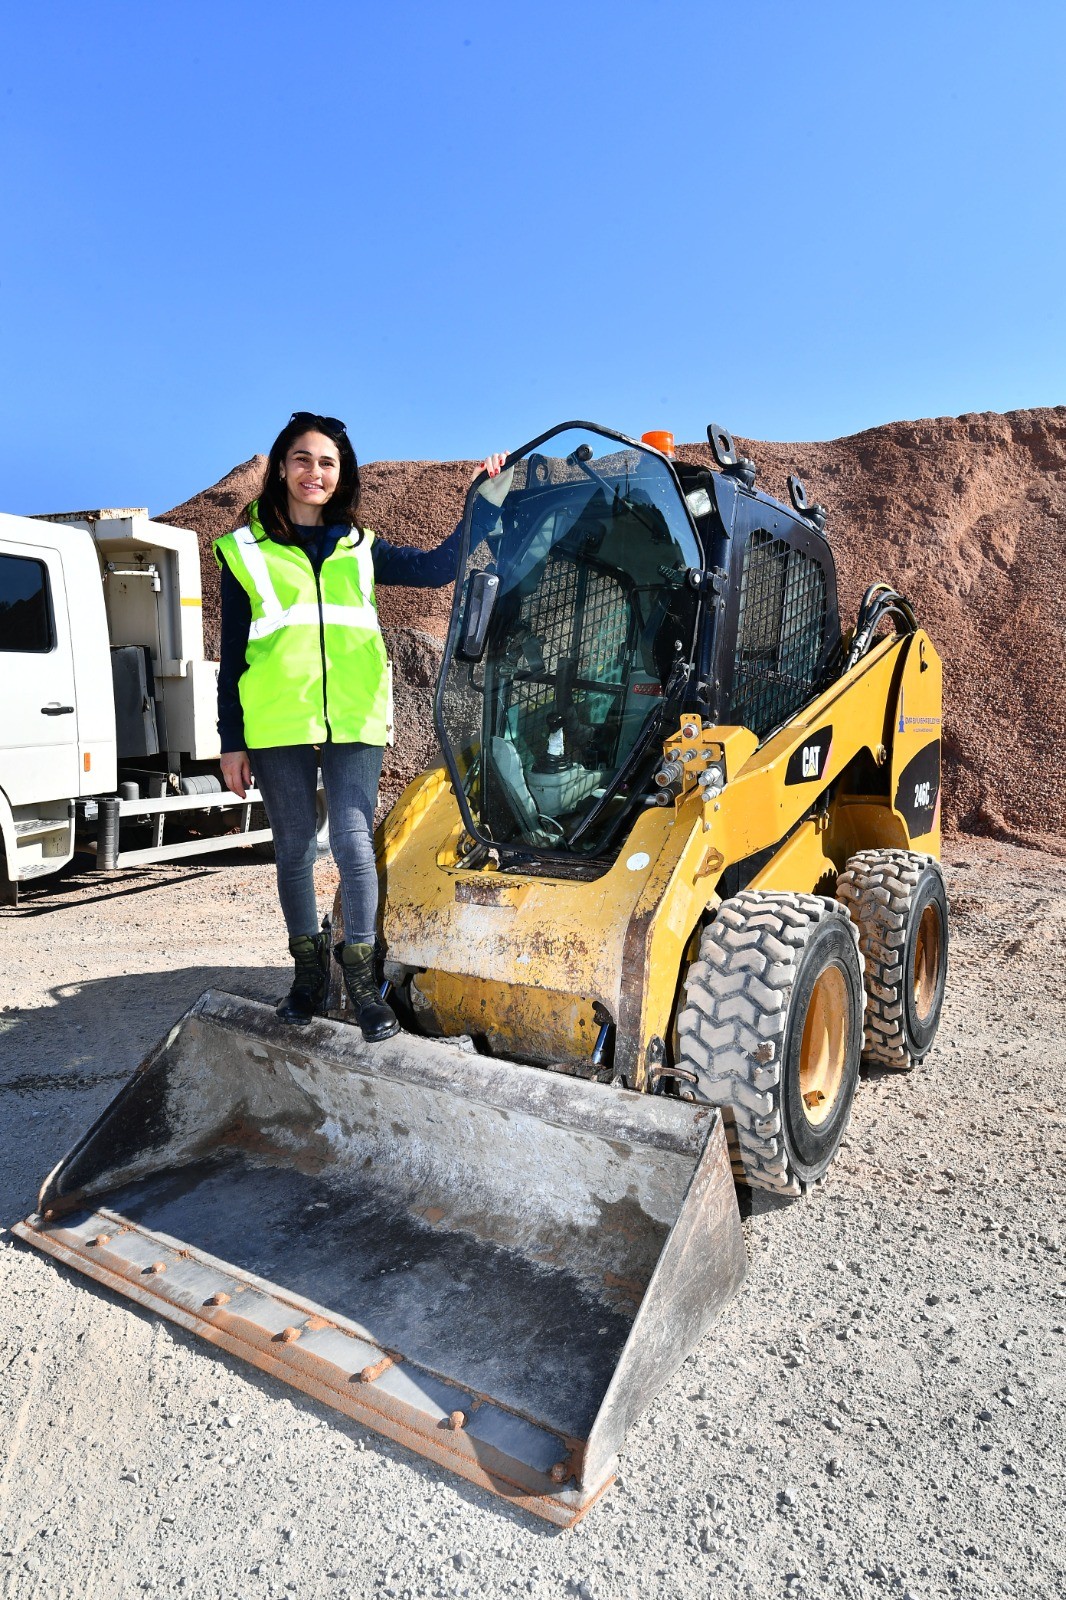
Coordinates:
<point>558,1495</point>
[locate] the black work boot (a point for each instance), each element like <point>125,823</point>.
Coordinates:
<point>377,1020</point>
<point>310,951</point>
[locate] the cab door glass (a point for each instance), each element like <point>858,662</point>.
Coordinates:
<point>589,548</point>
<point>25,612</point>
<point>39,752</point>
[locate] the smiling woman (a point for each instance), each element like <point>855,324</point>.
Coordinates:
<point>303,684</point>
<point>312,470</point>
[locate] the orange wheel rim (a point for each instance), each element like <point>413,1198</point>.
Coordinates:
<point>927,957</point>
<point>824,1046</point>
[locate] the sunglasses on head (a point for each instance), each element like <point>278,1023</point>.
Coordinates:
<point>313,419</point>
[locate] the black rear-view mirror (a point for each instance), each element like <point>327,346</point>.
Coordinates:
<point>481,591</point>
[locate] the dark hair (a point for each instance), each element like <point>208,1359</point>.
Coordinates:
<point>273,500</point>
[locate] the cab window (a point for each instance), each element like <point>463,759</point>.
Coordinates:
<point>25,609</point>
<point>780,634</point>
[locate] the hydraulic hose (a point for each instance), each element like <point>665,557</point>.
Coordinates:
<point>879,601</point>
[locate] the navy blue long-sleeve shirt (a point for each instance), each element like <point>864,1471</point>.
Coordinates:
<point>396,565</point>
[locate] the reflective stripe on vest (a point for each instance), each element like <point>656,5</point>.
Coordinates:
<point>341,616</point>
<point>258,571</point>
<point>275,615</point>
<point>316,668</point>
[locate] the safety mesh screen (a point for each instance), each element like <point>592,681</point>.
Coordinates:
<point>579,615</point>
<point>780,632</point>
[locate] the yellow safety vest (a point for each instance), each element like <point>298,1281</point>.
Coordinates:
<point>317,668</point>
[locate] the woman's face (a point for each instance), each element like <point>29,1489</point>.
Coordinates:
<point>311,472</point>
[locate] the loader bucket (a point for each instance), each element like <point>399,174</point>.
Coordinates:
<point>492,1264</point>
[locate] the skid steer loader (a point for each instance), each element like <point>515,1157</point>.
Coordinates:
<point>674,876</point>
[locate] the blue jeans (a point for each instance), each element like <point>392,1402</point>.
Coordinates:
<point>287,777</point>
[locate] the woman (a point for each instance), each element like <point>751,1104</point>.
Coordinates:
<point>303,683</point>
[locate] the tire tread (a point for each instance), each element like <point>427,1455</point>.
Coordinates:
<point>732,1025</point>
<point>878,888</point>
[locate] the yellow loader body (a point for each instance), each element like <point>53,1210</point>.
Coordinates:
<point>534,965</point>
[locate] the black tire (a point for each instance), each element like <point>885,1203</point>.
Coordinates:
<point>898,902</point>
<point>772,1029</point>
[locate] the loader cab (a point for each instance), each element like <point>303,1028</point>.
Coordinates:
<point>572,643</point>
<point>605,589</point>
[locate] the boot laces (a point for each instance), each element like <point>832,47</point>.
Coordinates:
<point>358,969</point>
